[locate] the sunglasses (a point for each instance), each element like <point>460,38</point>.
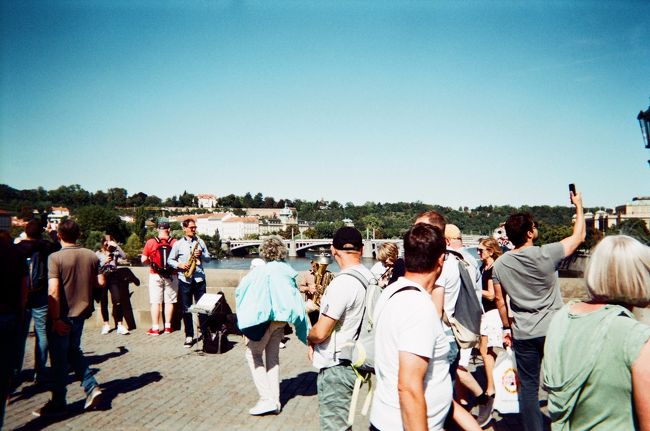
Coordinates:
<point>480,250</point>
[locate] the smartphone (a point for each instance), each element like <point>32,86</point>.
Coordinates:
<point>572,189</point>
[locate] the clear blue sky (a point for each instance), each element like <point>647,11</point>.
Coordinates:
<point>450,103</point>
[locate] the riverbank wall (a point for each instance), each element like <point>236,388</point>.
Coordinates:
<point>226,281</point>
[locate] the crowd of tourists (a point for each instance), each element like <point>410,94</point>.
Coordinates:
<point>410,324</point>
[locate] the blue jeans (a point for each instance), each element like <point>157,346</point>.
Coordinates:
<point>529,354</point>
<point>195,289</point>
<point>64,350</point>
<point>37,310</point>
<point>9,341</point>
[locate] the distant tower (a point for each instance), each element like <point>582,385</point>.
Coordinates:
<point>285,215</point>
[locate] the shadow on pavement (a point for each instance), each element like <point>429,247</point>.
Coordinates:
<point>109,391</point>
<point>98,359</point>
<point>304,384</point>
<point>113,388</point>
<point>74,409</point>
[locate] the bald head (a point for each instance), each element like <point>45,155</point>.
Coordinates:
<point>453,236</point>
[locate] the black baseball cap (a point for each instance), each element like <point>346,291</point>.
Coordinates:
<point>347,238</point>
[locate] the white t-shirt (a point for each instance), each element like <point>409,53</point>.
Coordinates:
<point>408,322</point>
<point>344,301</point>
<point>378,269</point>
<point>450,280</point>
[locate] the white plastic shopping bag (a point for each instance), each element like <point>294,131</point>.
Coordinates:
<point>506,383</point>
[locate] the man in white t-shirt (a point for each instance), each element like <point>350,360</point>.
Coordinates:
<point>413,382</point>
<point>445,294</point>
<point>341,310</point>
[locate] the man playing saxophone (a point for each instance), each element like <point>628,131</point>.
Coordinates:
<point>188,255</point>
<point>313,283</point>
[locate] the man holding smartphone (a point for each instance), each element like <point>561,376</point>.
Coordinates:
<point>528,274</point>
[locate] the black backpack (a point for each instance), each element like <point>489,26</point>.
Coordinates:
<point>215,338</point>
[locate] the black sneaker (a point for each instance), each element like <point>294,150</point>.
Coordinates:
<point>485,411</point>
<point>51,410</point>
<point>189,341</point>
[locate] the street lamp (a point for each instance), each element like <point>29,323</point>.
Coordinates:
<point>644,122</point>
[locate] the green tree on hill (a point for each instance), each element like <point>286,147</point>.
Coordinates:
<point>96,218</point>
<point>133,247</point>
<point>633,227</point>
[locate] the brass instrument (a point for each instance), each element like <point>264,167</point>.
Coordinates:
<point>322,278</point>
<point>386,276</point>
<point>192,261</point>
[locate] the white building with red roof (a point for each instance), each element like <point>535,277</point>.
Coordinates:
<point>206,200</point>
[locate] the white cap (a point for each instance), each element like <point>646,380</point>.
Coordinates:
<point>257,262</point>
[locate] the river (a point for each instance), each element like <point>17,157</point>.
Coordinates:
<point>297,263</point>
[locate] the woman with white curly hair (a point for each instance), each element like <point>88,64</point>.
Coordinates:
<point>267,299</point>
<point>597,355</point>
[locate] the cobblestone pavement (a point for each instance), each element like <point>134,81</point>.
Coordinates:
<point>156,383</point>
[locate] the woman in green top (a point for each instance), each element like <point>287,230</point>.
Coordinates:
<point>597,355</point>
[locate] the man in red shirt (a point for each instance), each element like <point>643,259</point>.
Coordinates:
<point>163,283</point>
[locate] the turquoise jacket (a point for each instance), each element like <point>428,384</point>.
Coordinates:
<point>269,293</point>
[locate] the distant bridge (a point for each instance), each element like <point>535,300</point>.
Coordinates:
<point>369,245</point>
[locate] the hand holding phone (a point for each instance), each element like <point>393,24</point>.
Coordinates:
<point>572,190</point>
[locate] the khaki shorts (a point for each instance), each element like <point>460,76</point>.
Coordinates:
<point>163,288</point>
<point>491,327</point>
<point>465,357</point>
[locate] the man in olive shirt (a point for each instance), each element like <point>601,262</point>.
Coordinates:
<point>528,274</point>
<point>73,273</point>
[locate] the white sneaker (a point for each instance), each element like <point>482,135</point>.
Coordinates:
<point>92,398</point>
<point>264,407</point>
<point>121,329</point>
<point>105,329</point>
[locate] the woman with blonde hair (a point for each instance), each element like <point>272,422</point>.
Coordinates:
<point>491,326</point>
<point>597,355</point>
<point>267,299</point>
<point>390,267</point>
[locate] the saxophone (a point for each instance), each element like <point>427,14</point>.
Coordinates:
<point>322,279</point>
<point>192,261</point>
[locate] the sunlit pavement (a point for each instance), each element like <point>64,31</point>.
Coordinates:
<point>156,383</point>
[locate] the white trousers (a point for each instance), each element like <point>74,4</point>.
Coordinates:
<point>264,361</point>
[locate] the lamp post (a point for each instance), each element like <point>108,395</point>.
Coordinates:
<point>644,122</point>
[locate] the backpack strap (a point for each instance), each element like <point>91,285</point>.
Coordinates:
<point>457,255</point>
<point>402,290</point>
<point>365,283</point>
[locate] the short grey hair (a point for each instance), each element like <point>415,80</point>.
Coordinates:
<point>619,271</point>
<point>273,248</point>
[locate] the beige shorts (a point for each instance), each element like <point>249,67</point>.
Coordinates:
<point>465,357</point>
<point>163,288</point>
<point>492,328</point>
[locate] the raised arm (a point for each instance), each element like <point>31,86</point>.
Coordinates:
<point>572,242</point>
